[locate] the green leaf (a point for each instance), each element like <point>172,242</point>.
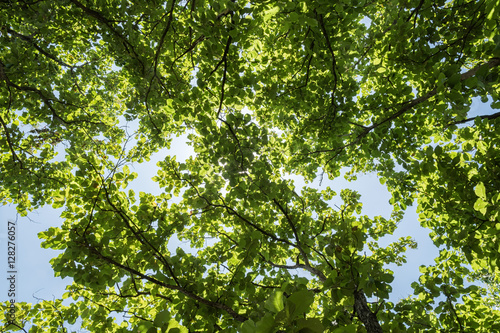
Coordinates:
<point>350,328</point>
<point>387,278</point>
<point>175,327</point>
<point>480,191</point>
<point>299,302</point>
<point>248,327</point>
<point>268,14</point>
<point>266,324</point>
<point>481,206</point>
<point>275,302</point>
<point>310,325</point>
<point>161,318</point>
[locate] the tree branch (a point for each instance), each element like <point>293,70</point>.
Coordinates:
<point>310,269</point>
<point>99,17</point>
<point>452,307</point>
<point>10,144</point>
<point>486,116</point>
<point>367,317</point>
<point>408,105</point>
<point>332,54</point>
<point>30,40</point>
<point>153,280</point>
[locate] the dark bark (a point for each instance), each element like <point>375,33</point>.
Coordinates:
<point>367,317</point>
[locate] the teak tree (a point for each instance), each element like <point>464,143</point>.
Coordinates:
<point>264,89</point>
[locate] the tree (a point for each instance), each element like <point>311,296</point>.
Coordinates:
<point>383,86</point>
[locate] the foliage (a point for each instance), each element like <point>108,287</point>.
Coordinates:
<point>263,89</point>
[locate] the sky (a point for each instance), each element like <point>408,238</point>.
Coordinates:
<point>35,278</point>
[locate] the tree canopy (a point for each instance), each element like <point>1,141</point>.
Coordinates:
<point>263,90</point>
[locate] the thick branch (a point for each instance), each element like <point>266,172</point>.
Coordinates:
<point>367,317</point>
<point>486,116</point>
<point>410,104</point>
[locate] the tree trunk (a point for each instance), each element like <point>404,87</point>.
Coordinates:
<point>364,313</point>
